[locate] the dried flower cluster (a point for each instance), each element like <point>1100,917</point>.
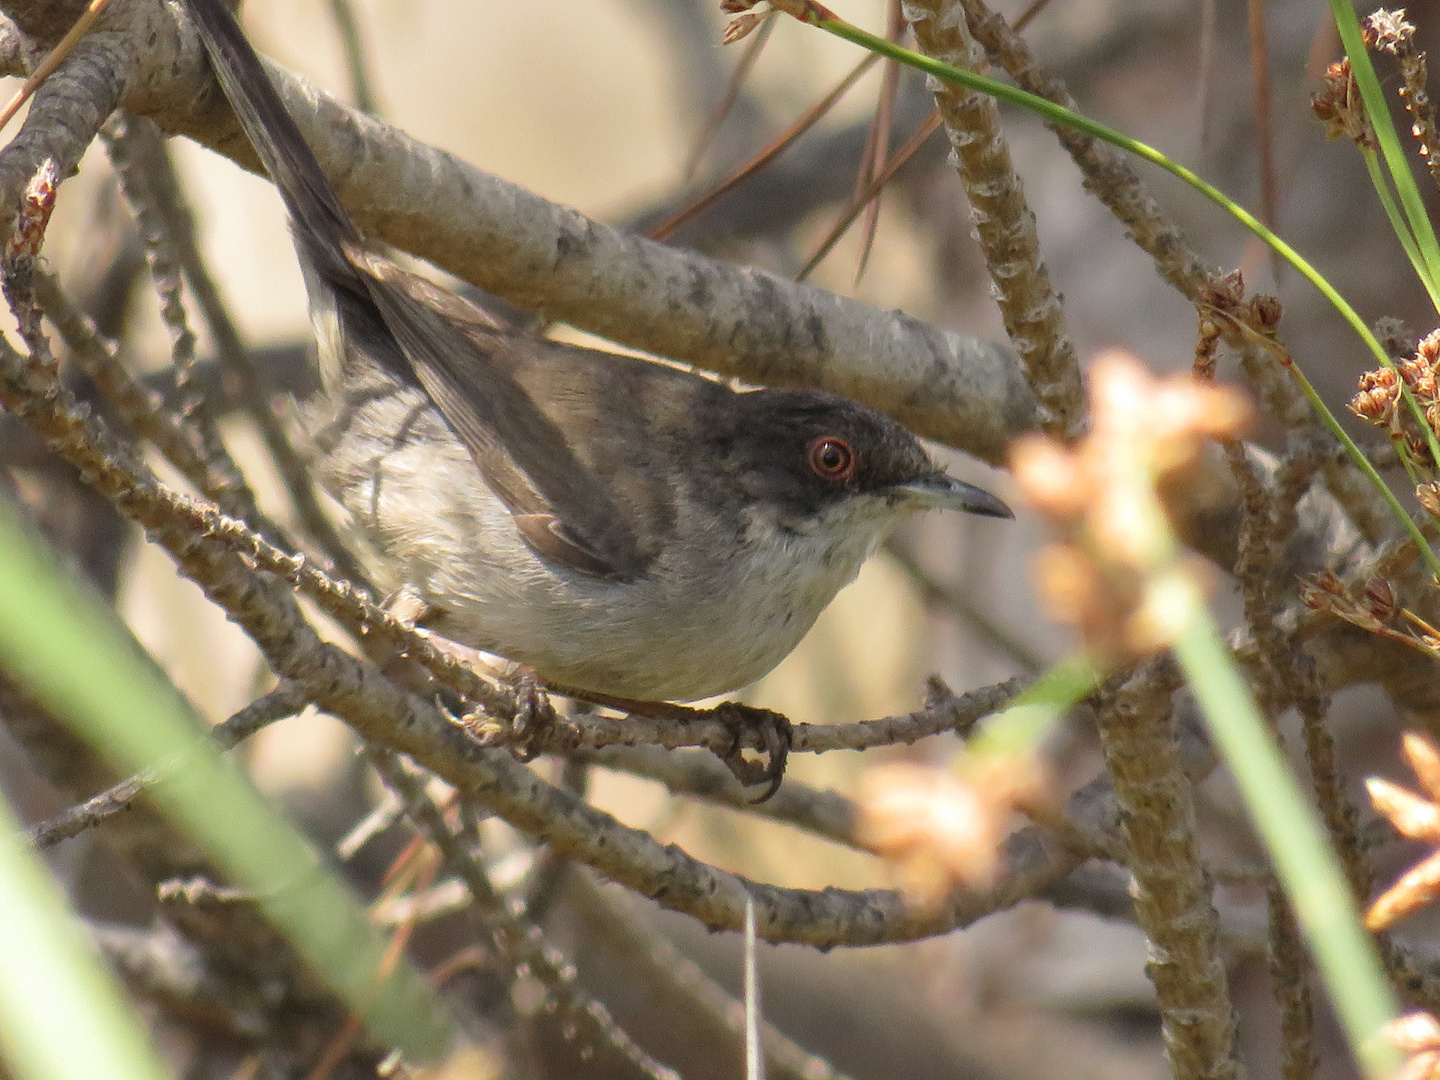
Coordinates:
<point>1390,32</point>
<point>1376,610</point>
<point>1417,817</point>
<point>1387,31</point>
<point>1337,103</point>
<point>744,18</point>
<point>1102,495</point>
<point>1379,397</point>
<point>944,828</point>
<point>1221,304</point>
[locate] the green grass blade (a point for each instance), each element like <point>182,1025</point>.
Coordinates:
<point>1397,161</point>
<point>1304,861</point>
<point>62,1013</point>
<point>60,642</point>
<point>1398,224</point>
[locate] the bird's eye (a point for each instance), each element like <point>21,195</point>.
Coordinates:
<point>831,458</point>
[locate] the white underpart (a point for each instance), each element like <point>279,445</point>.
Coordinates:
<point>664,636</point>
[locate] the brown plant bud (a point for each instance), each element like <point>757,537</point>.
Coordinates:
<point>1225,292</point>
<point>1337,103</point>
<point>1380,597</point>
<point>1379,391</point>
<point>1429,495</point>
<point>1420,377</point>
<point>28,232</point>
<point>1207,343</point>
<point>740,26</point>
<point>1267,311</point>
<point>1321,592</point>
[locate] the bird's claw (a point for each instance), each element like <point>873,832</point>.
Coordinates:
<point>534,715</point>
<point>774,732</point>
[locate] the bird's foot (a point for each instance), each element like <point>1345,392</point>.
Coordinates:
<point>534,713</point>
<point>775,735</point>
<point>772,732</point>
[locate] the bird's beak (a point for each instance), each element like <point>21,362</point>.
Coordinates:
<point>942,492</point>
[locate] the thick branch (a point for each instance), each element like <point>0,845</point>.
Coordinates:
<point>734,320</point>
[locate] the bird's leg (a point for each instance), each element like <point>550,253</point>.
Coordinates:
<point>533,715</point>
<point>772,730</point>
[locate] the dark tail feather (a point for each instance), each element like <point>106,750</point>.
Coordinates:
<point>320,223</point>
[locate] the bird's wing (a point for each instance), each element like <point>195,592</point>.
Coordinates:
<point>562,509</point>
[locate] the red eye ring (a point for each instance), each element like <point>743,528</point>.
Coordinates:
<point>830,458</point>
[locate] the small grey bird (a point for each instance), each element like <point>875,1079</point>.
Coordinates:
<point>622,527</point>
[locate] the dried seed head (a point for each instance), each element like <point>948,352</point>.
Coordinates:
<point>1418,888</point>
<point>1415,445</point>
<point>1223,292</point>
<point>1337,103</point>
<point>740,26</point>
<point>1322,591</point>
<point>1380,597</point>
<point>1420,377</point>
<point>1411,815</point>
<point>1427,349</point>
<point>1106,496</point>
<point>1379,392</point>
<point>1418,818</point>
<point>1423,1066</point>
<point>1267,311</point>
<point>1387,31</point>
<point>1429,496</point>
<point>1050,478</point>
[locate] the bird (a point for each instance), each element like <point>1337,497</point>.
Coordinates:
<point>621,527</point>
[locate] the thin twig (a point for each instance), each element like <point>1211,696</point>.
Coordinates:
<point>1002,220</point>
<point>1289,974</point>
<point>144,410</point>
<point>702,202</point>
<point>701,1003</point>
<point>170,211</point>
<point>727,101</point>
<point>285,700</point>
<point>53,60</point>
<point>521,944</point>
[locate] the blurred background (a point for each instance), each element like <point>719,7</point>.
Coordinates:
<point>603,106</point>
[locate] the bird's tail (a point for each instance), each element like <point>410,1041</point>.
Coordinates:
<point>320,223</point>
